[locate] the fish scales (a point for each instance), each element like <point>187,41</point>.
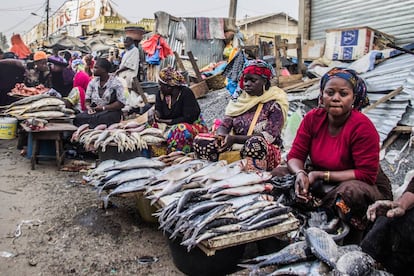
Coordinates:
<point>322,246</point>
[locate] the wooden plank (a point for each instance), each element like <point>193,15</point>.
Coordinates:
<point>383,99</point>
<point>406,129</point>
<point>179,61</point>
<point>232,239</point>
<point>390,140</point>
<point>303,84</point>
<point>295,77</point>
<point>195,66</point>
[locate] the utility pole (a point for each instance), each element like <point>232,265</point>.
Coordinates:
<point>47,18</point>
<point>233,9</point>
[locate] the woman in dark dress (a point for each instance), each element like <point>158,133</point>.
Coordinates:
<point>177,107</point>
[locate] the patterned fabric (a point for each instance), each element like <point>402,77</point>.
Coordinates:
<point>257,67</point>
<point>260,154</point>
<point>181,136</point>
<point>205,147</point>
<point>269,124</point>
<point>358,84</point>
<point>171,77</point>
<point>113,89</point>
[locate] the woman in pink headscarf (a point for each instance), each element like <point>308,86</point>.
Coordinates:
<point>76,97</point>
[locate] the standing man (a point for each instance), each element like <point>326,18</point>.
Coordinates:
<point>128,69</point>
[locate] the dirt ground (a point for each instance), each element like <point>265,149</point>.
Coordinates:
<point>64,230</point>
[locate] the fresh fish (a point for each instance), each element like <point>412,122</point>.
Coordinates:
<point>210,168</point>
<point>223,172</point>
<point>322,246</point>
<point>265,223</point>
<point>180,171</point>
<point>43,114</point>
<point>241,179</point>
<point>213,232</point>
<point>355,263</point>
<point>129,175</point>
<point>274,212</point>
<point>127,187</point>
<point>295,252</point>
<point>239,201</point>
<point>245,190</point>
<point>27,100</point>
<point>342,250</point>
<point>137,162</point>
<point>47,101</point>
<point>314,268</point>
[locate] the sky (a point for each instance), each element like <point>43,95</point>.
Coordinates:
<point>16,17</point>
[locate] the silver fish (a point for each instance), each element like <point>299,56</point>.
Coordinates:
<point>241,179</point>
<point>137,162</point>
<point>295,252</point>
<point>322,246</point>
<point>245,190</point>
<point>127,187</point>
<point>314,268</point>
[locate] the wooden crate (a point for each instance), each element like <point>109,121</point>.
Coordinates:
<point>199,89</point>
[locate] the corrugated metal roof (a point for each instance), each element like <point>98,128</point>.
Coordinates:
<point>385,77</point>
<point>393,17</point>
<point>261,17</point>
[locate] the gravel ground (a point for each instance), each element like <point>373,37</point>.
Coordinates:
<point>214,103</point>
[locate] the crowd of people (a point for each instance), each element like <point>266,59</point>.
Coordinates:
<point>334,156</point>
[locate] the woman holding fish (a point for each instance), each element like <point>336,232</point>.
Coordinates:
<point>104,98</point>
<point>256,119</point>
<point>177,107</point>
<point>343,147</point>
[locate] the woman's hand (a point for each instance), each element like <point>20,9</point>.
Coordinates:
<point>385,208</point>
<point>225,142</point>
<point>302,184</point>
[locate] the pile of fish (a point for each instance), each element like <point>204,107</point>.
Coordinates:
<point>318,254</point>
<point>126,136</point>
<point>197,215</point>
<point>38,106</point>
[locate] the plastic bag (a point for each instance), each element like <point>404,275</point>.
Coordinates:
<point>181,33</point>
<point>155,58</point>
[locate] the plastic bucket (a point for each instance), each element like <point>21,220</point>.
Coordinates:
<point>150,87</point>
<point>8,127</point>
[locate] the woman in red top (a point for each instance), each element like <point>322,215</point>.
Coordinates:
<point>343,147</point>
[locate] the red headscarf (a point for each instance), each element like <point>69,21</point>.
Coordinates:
<point>81,81</point>
<point>257,67</point>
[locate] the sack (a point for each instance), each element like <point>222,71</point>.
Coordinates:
<point>155,58</point>
<point>230,156</point>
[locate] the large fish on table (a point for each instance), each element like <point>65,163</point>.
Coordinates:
<point>322,246</point>
<point>137,162</point>
<point>313,268</point>
<point>47,101</point>
<point>245,190</point>
<point>355,263</point>
<point>241,179</point>
<point>43,114</point>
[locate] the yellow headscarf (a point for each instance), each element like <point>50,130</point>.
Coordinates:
<point>245,102</point>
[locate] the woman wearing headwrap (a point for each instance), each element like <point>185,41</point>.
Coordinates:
<point>177,107</point>
<point>76,97</point>
<point>269,104</point>
<point>343,147</point>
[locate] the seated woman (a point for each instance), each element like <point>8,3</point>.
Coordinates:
<point>177,107</point>
<point>260,136</point>
<point>391,240</point>
<point>76,98</point>
<point>343,147</point>
<point>104,98</point>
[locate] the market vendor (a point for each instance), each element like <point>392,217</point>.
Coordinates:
<point>391,240</point>
<point>76,98</point>
<point>343,147</point>
<point>39,72</point>
<point>104,97</point>
<point>177,107</point>
<point>255,120</point>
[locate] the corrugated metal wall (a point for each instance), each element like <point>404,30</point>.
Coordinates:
<point>393,17</point>
<point>205,51</point>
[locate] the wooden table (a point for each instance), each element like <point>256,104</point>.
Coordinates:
<point>52,131</point>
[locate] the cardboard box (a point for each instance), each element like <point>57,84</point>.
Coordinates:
<point>312,49</point>
<point>353,43</point>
